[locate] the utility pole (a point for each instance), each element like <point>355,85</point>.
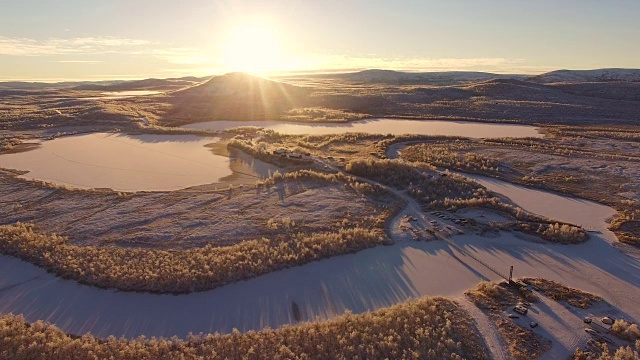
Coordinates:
<point>511,275</point>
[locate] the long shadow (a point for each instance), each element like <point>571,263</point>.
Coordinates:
<point>364,281</point>
<point>464,263</point>
<point>589,261</point>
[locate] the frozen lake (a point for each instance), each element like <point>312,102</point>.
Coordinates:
<point>129,163</point>
<point>111,95</point>
<point>384,126</point>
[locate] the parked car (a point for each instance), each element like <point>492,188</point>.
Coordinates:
<point>607,320</point>
<point>591,332</point>
<point>520,309</point>
<point>513,316</point>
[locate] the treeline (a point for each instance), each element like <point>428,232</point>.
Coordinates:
<point>554,232</point>
<point>428,328</point>
<point>561,292</point>
<point>321,141</point>
<point>613,132</point>
<point>425,184</point>
<point>322,114</point>
<point>546,146</point>
<point>349,181</point>
<point>264,151</point>
<point>178,271</point>
<point>441,155</point>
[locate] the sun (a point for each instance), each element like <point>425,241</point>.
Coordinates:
<point>253,47</point>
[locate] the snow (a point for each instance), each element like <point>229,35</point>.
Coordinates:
<point>588,75</point>
<point>438,78</point>
<point>383,126</point>
<point>588,214</point>
<point>488,330</point>
<point>123,162</point>
<point>368,280</point>
<point>114,95</point>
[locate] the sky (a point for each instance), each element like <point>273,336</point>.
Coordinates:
<point>64,40</point>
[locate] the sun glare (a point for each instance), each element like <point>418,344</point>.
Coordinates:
<point>253,47</point>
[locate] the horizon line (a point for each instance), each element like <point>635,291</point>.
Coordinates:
<point>277,74</point>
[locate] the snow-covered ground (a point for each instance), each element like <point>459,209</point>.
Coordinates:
<point>588,214</point>
<point>368,280</point>
<point>488,330</point>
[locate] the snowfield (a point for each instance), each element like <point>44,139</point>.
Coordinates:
<point>364,281</point>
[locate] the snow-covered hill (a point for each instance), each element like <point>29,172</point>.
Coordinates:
<point>597,75</point>
<point>444,78</point>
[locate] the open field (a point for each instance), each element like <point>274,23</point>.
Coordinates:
<point>189,218</point>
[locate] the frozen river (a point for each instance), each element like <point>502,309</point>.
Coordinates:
<point>384,126</point>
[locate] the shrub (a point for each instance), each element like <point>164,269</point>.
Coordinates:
<point>441,155</point>
<point>622,353</point>
<point>625,330</point>
<point>178,271</point>
<point>560,292</point>
<point>428,328</point>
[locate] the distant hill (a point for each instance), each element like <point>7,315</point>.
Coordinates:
<point>234,96</point>
<point>146,84</point>
<point>597,75</point>
<point>513,89</point>
<point>107,85</point>
<point>444,78</point>
<point>25,85</point>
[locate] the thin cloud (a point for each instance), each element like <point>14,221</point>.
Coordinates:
<point>59,46</point>
<point>182,55</point>
<point>78,61</point>
<point>100,45</point>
